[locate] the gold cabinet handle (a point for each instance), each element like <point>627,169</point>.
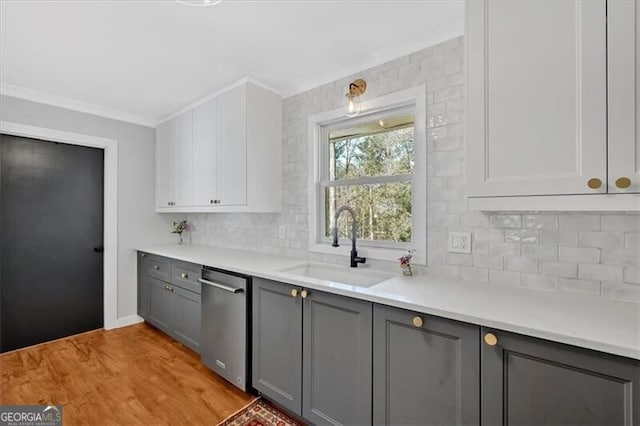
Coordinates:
<point>490,339</point>
<point>304,294</point>
<point>143,255</point>
<point>418,322</point>
<point>166,287</point>
<point>184,276</point>
<point>594,183</point>
<point>623,182</point>
<point>171,289</point>
<point>294,292</point>
<point>156,267</point>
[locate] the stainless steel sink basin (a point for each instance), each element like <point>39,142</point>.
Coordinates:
<point>339,274</point>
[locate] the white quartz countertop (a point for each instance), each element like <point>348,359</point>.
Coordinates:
<point>586,321</point>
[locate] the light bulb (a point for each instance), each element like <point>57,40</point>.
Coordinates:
<point>353,107</point>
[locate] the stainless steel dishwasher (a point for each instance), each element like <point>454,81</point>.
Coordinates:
<point>225,341</point>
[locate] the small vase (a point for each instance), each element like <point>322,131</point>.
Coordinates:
<point>406,271</point>
<point>181,241</point>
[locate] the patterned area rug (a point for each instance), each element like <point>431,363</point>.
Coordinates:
<point>260,413</point>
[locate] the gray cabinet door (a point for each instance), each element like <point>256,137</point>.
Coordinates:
<point>424,374</point>
<point>143,287</point>
<point>185,321</point>
<point>160,304</point>
<point>527,381</point>
<point>336,360</point>
<point>277,343</point>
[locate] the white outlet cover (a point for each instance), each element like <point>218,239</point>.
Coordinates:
<point>460,242</point>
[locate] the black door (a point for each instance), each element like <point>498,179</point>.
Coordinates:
<point>51,236</point>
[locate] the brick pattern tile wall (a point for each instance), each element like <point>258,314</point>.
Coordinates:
<point>590,253</point>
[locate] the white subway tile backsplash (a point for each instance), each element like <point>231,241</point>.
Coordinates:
<point>540,282</point>
<point>621,291</point>
<point>573,222</point>
<point>559,269</point>
<point>579,254</point>
<point>537,250</point>
<point>537,221</point>
<point>602,239</point>
<point>569,285</point>
<point>506,221</point>
<point>524,236</point>
<point>624,223</point>
<point>600,272</point>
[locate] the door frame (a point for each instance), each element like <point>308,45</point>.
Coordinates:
<point>110,147</point>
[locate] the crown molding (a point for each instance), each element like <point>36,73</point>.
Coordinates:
<point>73,104</point>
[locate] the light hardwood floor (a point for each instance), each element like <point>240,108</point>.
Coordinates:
<point>134,375</point>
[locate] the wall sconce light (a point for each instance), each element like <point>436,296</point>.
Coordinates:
<point>356,88</point>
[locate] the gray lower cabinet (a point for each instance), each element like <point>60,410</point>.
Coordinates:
<point>528,381</point>
<point>336,359</point>
<point>169,297</point>
<point>325,376</point>
<point>425,369</point>
<point>277,343</point>
<point>185,323</point>
<point>160,304</point>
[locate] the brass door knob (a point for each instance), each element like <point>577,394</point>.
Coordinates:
<point>417,321</point>
<point>490,339</point>
<point>184,276</point>
<point>623,182</point>
<point>594,183</point>
<point>156,267</point>
<point>304,294</point>
<point>294,292</point>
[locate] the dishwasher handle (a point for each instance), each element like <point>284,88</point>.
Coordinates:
<point>221,286</point>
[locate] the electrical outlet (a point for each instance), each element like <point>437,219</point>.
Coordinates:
<point>460,242</point>
<point>282,232</point>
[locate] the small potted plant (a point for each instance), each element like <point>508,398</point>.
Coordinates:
<point>179,228</point>
<point>405,263</point>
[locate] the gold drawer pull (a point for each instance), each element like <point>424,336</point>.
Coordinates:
<point>294,293</point>
<point>184,276</point>
<point>490,339</point>
<point>623,182</point>
<point>156,267</point>
<point>418,322</point>
<point>304,294</point>
<point>594,183</point>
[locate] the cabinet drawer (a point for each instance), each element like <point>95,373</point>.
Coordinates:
<point>186,275</point>
<point>156,266</point>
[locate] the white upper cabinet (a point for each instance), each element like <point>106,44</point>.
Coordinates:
<point>624,96</point>
<point>232,147</point>
<point>205,157</point>
<point>537,107</point>
<point>224,155</point>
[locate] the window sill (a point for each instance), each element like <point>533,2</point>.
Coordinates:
<point>376,253</point>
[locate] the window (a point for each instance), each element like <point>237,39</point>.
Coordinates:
<point>369,167</point>
<point>375,164</point>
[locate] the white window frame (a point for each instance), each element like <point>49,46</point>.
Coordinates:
<point>415,99</point>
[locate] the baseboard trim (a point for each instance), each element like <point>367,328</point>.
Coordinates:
<point>133,319</point>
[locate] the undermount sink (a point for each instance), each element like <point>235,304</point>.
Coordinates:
<point>339,274</point>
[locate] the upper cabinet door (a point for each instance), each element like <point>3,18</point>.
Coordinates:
<point>536,114</point>
<point>624,95</point>
<point>165,187</point>
<point>182,135</point>
<point>205,136</point>
<point>232,147</point>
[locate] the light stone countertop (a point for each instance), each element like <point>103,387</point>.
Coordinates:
<point>586,321</point>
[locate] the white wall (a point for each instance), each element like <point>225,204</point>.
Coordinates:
<point>137,221</point>
<point>592,253</point>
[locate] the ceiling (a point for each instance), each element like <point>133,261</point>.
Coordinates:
<point>145,60</point>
